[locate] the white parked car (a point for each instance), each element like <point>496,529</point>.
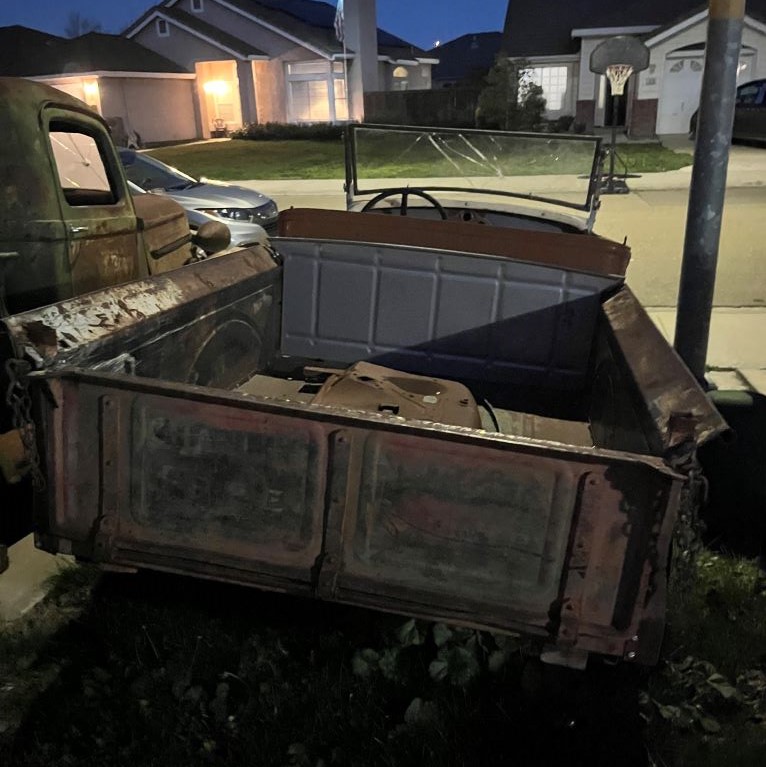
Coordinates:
<point>249,215</point>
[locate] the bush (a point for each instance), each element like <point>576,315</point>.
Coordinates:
<point>288,132</point>
<point>561,124</point>
<point>510,99</point>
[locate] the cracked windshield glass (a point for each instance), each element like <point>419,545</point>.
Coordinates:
<point>552,168</point>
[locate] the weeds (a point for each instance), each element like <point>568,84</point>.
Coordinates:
<point>707,701</point>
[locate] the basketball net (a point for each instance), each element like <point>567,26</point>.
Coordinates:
<point>618,75</point>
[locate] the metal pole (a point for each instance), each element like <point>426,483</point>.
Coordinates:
<point>615,112</point>
<point>708,183</point>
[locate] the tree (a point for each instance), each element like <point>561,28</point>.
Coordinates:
<point>77,25</point>
<point>510,99</point>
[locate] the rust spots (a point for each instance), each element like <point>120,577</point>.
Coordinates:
<point>41,334</point>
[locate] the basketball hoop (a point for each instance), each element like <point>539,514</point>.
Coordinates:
<point>618,75</point>
<point>617,58</point>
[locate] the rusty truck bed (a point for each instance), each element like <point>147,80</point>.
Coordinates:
<point>179,434</point>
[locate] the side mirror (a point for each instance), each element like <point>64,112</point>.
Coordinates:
<point>212,237</point>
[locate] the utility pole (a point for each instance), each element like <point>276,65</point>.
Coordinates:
<point>708,183</point>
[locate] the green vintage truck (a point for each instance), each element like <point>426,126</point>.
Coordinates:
<point>69,225</point>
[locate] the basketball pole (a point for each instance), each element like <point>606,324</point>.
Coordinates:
<point>615,114</point>
<point>708,183</point>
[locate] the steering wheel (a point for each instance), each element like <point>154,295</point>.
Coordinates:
<point>405,192</point>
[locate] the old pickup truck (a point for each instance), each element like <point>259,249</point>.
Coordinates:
<point>501,442</point>
<point>479,424</point>
<point>69,225</point>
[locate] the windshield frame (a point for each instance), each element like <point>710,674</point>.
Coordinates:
<point>353,189</point>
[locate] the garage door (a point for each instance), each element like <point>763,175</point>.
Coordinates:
<point>681,86</point>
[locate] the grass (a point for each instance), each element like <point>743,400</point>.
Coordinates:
<point>651,158</point>
<point>707,703</point>
<point>238,160</point>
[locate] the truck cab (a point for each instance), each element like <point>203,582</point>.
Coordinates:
<point>68,226</point>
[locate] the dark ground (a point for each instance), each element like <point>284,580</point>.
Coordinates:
<point>161,670</point>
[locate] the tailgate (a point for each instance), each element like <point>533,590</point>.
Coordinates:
<point>446,523</point>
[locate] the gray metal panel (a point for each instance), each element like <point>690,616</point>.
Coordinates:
<point>449,314</point>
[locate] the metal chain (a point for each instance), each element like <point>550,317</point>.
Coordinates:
<point>19,401</point>
<point>687,537</point>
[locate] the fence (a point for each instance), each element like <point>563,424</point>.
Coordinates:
<point>446,107</point>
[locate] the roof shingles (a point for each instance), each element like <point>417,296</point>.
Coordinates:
<point>527,34</point>
<point>29,53</point>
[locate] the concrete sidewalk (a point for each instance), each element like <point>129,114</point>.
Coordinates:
<point>736,350</point>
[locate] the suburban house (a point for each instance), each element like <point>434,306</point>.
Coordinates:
<point>465,60</point>
<point>259,61</point>
<point>659,100</point>
<point>134,88</point>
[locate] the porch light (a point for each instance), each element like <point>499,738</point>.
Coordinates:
<point>216,88</point>
<point>90,88</point>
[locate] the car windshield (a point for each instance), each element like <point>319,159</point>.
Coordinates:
<point>549,168</point>
<point>148,173</point>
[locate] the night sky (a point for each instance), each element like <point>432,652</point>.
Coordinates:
<point>421,22</point>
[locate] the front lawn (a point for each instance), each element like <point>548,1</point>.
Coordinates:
<point>238,160</point>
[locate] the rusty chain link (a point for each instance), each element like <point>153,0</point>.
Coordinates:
<point>19,401</point>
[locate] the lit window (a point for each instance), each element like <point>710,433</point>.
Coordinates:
<point>162,28</point>
<point>341,99</point>
<point>553,81</point>
<point>310,101</point>
<point>317,91</point>
<point>400,79</point>
<point>196,6</point>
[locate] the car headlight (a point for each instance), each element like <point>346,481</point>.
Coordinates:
<point>266,212</point>
<point>235,214</point>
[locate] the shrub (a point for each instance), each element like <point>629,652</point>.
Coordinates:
<point>561,124</point>
<point>510,99</point>
<point>289,132</point>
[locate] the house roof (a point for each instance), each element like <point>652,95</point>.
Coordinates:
<point>239,46</point>
<point>470,55</point>
<point>310,21</point>
<point>27,52</point>
<point>525,35</point>
<point>314,22</point>
<point>21,48</point>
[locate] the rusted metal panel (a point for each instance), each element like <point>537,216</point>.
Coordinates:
<point>198,489</point>
<point>442,522</point>
<point>153,319</point>
<point>673,412</point>
<point>589,253</point>
<point>505,549</point>
<point>382,390</point>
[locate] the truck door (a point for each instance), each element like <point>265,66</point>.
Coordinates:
<point>100,222</point>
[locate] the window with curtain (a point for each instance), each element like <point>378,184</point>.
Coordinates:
<point>317,91</point>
